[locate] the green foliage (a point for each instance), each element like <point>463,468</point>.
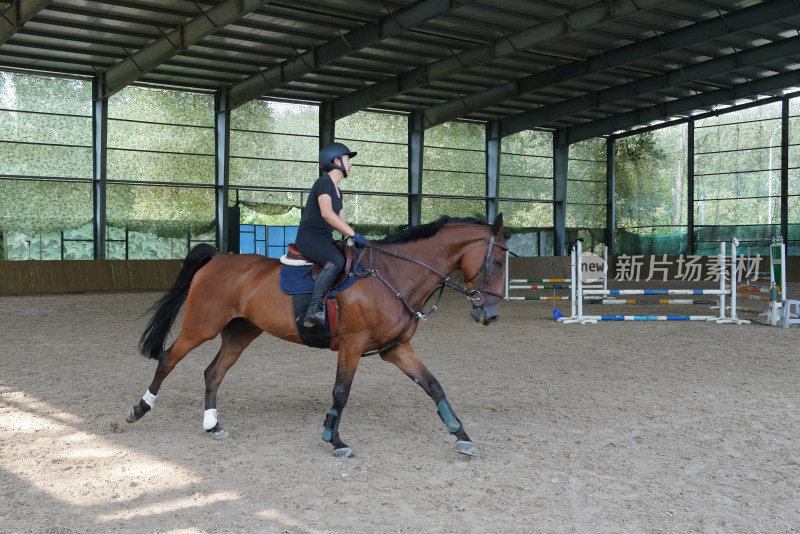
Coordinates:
<point>160,106</point>
<point>161,171</point>
<point>152,167</point>
<point>586,189</point>
<point>463,135</point>
<point>35,207</point>
<point>380,128</point>
<point>639,148</point>
<point>526,173</point>
<point>525,216</point>
<point>651,180</point>
<point>529,143</point>
<point>45,94</point>
<point>46,161</point>
<point>162,211</point>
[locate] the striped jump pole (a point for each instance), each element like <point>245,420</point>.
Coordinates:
<point>753,289</point>
<point>608,292</point>
<point>644,302</point>
<point>579,293</point>
<point>754,297</point>
<point>537,297</point>
<point>539,284</point>
<point>652,317</point>
<point>539,280</point>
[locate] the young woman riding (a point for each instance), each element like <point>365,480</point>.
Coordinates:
<point>322,215</point>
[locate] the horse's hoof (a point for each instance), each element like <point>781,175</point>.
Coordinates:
<point>344,452</point>
<point>131,417</point>
<point>465,447</point>
<point>222,435</point>
<point>219,433</point>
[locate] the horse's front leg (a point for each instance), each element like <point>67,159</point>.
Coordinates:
<point>404,357</point>
<point>345,371</point>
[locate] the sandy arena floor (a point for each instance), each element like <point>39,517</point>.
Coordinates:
<point>608,428</point>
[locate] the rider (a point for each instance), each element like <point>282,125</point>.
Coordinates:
<point>323,214</point>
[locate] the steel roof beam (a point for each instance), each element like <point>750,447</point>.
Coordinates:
<point>597,15</point>
<point>17,14</point>
<point>366,35</point>
<point>151,56</point>
<point>682,106</point>
<point>743,19</point>
<point>652,84</point>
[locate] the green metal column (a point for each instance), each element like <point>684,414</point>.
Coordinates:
<point>560,165</point>
<point>222,133</point>
<point>492,169</point>
<point>785,171</point>
<point>611,198</point>
<point>99,167</point>
<point>327,126</point>
<point>690,241</point>
<point>416,141</point>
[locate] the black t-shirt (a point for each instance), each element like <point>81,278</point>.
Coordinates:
<point>312,220</point>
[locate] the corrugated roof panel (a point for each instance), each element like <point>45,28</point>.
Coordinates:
<point>88,36</point>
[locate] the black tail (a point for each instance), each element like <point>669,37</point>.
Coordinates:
<point>166,309</point>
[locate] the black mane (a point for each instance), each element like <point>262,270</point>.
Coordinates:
<point>427,230</point>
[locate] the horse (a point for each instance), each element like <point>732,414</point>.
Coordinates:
<point>237,296</point>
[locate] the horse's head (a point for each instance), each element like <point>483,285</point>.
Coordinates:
<point>484,269</point>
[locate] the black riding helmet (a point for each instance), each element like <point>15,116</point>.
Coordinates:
<point>331,152</point>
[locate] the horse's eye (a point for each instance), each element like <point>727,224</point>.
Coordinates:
<point>498,263</point>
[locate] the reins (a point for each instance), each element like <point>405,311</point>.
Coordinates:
<point>446,281</point>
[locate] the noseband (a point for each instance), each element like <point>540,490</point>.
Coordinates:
<point>473,295</point>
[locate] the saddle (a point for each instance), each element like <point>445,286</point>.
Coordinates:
<point>296,269</point>
<point>294,257</point>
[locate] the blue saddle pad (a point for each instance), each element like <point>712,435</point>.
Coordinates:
<point>296,280</point>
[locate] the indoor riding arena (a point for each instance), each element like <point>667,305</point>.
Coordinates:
<point>577,311</point>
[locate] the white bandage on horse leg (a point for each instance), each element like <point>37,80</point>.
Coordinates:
<point>209,419</point>
<point>149,398</point>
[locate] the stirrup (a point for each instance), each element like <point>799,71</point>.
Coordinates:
<point>314,319</point>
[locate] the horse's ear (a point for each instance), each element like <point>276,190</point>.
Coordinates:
<point>497,227</point>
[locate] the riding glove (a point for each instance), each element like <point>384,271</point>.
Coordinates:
<point>359,240</point>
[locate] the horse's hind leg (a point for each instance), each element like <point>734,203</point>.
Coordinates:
<point>404,357</point>
<point>236,336</point>
<point>167,361</point>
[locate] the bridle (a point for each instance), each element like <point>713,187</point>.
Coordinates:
<point>482,273</point>
<point>473,295</point>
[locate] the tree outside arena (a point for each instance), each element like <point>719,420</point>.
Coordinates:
<point>161,172</point>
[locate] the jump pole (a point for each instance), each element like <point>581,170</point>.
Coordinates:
<point>576,250</point>
<point>777,283</point>
<point>579,292</point>
<point>650,302</point>
<point>536,284</point>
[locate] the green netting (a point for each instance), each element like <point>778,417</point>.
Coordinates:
<point>753,239</point>
<point>594,239</point>
<point>672,244</point>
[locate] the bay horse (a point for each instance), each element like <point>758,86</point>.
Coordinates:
<point>238,297</point>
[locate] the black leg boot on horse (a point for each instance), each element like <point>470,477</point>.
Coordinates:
<point>315,315</point>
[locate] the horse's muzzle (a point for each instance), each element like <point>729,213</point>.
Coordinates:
<point>485,315</point>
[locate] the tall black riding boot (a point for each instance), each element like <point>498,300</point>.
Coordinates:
<point>315,315</point>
